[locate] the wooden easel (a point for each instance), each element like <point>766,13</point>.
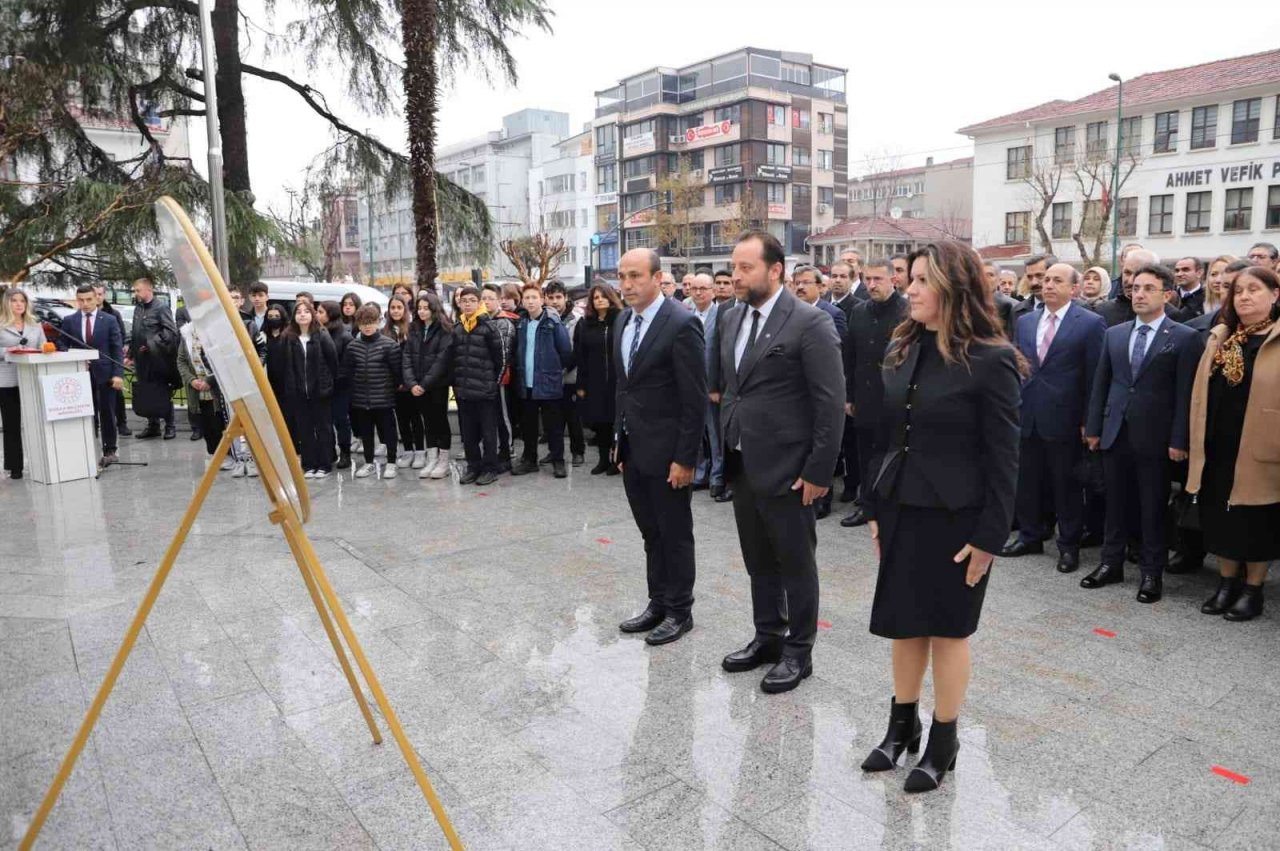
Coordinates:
<point>322,596</point>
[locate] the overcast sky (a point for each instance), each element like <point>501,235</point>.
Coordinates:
<point>917,71</point>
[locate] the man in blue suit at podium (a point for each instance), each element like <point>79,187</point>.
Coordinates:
<point>91,328</point>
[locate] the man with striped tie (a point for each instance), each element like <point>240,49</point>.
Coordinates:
<point>662,400</point>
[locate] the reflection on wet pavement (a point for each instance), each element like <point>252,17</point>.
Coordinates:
<point>492,624</point>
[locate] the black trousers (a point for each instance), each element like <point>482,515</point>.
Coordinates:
<point>11,422</point>
<point>104,409</point>
<point>603,439</point>
<point>664,516</point>
<point>209,418</point>
<point>778,535</point>
<point>315,421</point>
<point>365,420</point>
<point>850,464</point>
<point>552,413</point>
<point>433,409</point>
<point>573,421</point>
<point>409,422</point>
<point>515,412</point>
<point>868,441</point>
<point>340,411</point>
<point>478,422</point>
<point>122,414</point>
<point>1048,466</point>
<point>1137,505</point>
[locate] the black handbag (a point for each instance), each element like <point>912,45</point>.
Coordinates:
<point>1186,508</point>
<point>151,399</point>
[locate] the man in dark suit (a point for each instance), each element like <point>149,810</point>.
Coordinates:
<point>1189,275</point>
<point>1034,272</point>
<point>710,471</point>
<point>153,349</point>
<point>843,294</point>
<point>92,328</point>
<point>661,411</point>
<point>782,414</point>
<point>1062,341</point>
<point>806,281</point>
<point>848,292</point>
<point>1004,304</point>
<point>1138,415</point>
<point>869,332</point>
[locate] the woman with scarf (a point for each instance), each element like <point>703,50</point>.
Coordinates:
<point>1094,286</point>
<point>426,375</point>
<point>593,344</point>
<point>476,362</point>
<point>1235,443</point>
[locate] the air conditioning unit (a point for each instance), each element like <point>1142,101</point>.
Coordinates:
<point>822,208</point>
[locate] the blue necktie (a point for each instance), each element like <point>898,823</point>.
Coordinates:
<point>635,341</point>
<point>1139,350</point>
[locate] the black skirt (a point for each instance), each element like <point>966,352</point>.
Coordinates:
<point>921,591</point>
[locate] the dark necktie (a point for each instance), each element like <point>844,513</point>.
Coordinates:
<point>751,337</point>
<point>635,341</point>
<point>88,329</point>
<point>1139,350</point>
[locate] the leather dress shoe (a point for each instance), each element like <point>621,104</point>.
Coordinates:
<point>669,630</point>
<point>1022,548</point>
<point>857,518</point>
<point>752,656</point>
<point>822,508</point>
<point>196,434</point>
<point>849,495</point>
<point>725,495</point>
<point>716,490</point>
<point>1181,563</point>
<point>151,431</point>
<point>1151,589</point>
<point>643,622</point>
<point>786,675</point>
<point>1068,562</point>
<point>123,430</point>
<point>1104,574</point>
<point>558,469</point>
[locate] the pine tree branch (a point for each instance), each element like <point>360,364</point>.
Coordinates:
<point>173,113</point>
<point>131,6</point>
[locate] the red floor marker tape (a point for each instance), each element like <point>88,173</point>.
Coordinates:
<point>604,540</point>
<point>824,624</point>
<point>1105,633</point>
<point>482,493</point>
<point>1230,775</point>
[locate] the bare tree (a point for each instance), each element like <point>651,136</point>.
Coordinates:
<point>536,258</point>
<point>681,192</point>
<point>953,223</point>
<point>1043,181</point>
<point>309,226</point>
<point>1093,175</point>
<point>749,213</point>
<point>881,176</point>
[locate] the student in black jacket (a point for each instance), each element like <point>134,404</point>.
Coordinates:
<point>372,366</point>
<point>310,372</point>
<point>408,418</point>
<point>426,377</point>
<point>329,316</point>
<point>476,365</point>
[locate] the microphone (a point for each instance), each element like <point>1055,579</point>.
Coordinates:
<point>81,344</point>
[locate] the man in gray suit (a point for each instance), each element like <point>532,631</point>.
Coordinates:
<point>782,412</point>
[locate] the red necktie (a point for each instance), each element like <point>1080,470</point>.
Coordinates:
<point>88,329</point>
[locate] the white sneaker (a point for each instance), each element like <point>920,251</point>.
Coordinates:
<point>357,446</point>
<point>320,474</point>
<point>441,468</point>
<point>227,464</point>
<point>389,471</point>
<point>309,474</point>
<point>365,471</point>
<point>419,459</point>
<point>252,468</point>
<point>404,459</point>
<point>428,465</point>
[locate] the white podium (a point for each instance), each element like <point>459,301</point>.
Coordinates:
<point>57,415</point>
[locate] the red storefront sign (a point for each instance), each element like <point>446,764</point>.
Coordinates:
<point>707,131</point>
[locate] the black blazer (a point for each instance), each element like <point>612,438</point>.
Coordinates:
<point>961,450</point>
<point>1157,402</point>
<point>662,402</point>
<point>869,332</point>
<point>785,405</point>
<point>1005,307</point>
<point>108,340</point>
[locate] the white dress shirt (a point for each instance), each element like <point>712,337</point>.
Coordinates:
<point>648,315</point>
<point>744,330</point>
<point>93,314</point>
<point>1043,327</point>
<point>1154,325</point>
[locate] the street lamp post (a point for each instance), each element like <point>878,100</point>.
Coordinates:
<point>1115,176</point>
<point>217,200</point>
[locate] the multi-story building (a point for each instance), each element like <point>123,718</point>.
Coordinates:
<point>763,134</point>
<point>933,190</point>
<point>1199,165</point>
<point>336,233</point>
<point>495,167</point>
<point>561,199</point>
<point>878,237</point>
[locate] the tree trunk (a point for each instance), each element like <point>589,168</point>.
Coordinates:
<point>418,22</point>
<point>243,253</point>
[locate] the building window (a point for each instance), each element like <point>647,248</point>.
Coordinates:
<point>640,128</point>
<point>800,155</point>
<point>1166,132</point>
<point>1017,163</point>
<point>606,178</point>
<point>826,123</point>
<point>1273,207</point>
<point>825,160</point>
<point>1237,210</point>
<point>694,160</point>
<point>1131,136</point>
<point>1127,213</point>
<point>689,122</point>
<point>801,196</point>
<point>639,167</point>
<point>717,236</point>
<point>793,73</point>
<point>561,219</point>
<point>640,238</point>
<point>728,193</point>
<point>1091,221</point>
<point>775,193</point>
<point>1095,138</point>
<point>827,195</point>
<point>801,118</point>
<point>606,139</point>
<point>1064,145</point>
<point>1246,116</point>
<point>477,174</point>
<point>1199,211</point>
<point>1204,127</point>
<point>776,114</point>
<point>730,113</point>
<point>560,184</point>
<point>728,155</point>
<point>1015,227</point>
<point>631,203</point>
<point>1060,226</point>
<point>1275,131</point>
<point>775,154</point>
<point>1160,215</point>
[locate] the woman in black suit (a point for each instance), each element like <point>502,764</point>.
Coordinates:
<point>597,379</point>
<point>942,498</point>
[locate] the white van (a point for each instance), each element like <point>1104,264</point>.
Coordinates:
<point>286,293</point>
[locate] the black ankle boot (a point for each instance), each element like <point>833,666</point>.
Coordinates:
<point>904,734</point>
<point>1248,606</point>
<point>1225,597</point>
<point>939,758</point>
<point>603,465</point>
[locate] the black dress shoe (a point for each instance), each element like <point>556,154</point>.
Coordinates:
<point>600,467</point>
<point>1150,589</point>
<point>701,486</point>
<point>716,490</point>
<point>643,622</point>
<point>557,469</point>
<point>857,518</point>
<point>1068,562</point>
<point>486,478</point>
<point>848,495</point>
<point>822,508</point>
<point>577,459</point>
<point>196,434</point>
<point>1180,563</point>
<point>904,734</point>
<point>1247,606</point>
<point>468,477</point>
<point>752,656</point>
<point>1091,539</point>
<point>123,430</point>
<point>524,468</point>
<point>613,470</point>
<point>1229,589</point>
<point>1022,548</point>
<point>1104,574</point>
<point>786,675</point>
<point>726,495</point>
<point>669,630</point>
<point>149,432</point>
<point>939,758</point>
<point>170,432</point>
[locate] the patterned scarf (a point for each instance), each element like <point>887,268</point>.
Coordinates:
<point>1229,359</point>
<point>469,320</point>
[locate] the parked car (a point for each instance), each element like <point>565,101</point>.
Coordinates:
<point>285,293</point>
<point>51,312</point>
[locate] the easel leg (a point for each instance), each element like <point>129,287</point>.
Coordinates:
<point>410,757</point>
<point>308,576</point>
<point>130,638</point>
